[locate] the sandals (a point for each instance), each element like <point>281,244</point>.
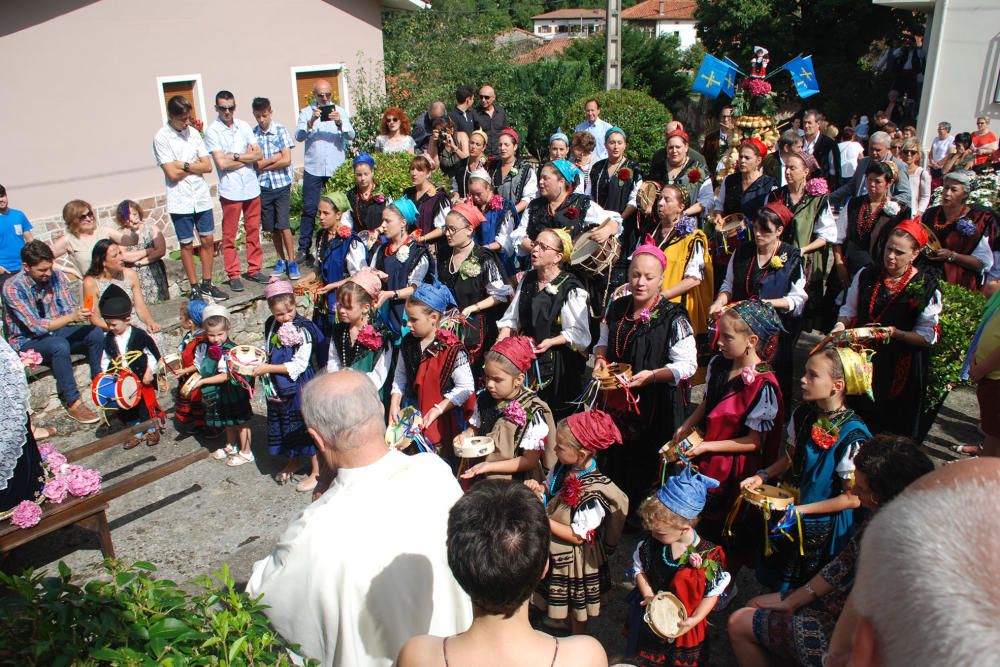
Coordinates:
<point>282,477</point>
<point>306,485</point>
<point>132,443</point>
<point>224,453</point>
<point>152,438</point>
<point>239,458</point>
<point>963,449</point>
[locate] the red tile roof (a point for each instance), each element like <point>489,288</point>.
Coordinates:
<point>551,49</point>
<point>572,14</point>
<point>672,9</point>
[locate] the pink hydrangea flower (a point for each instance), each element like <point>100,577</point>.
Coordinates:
<point>817,187</point>
<point>496,202</point>
<point>289,335</point>
<point>515,414</point>
<point>30,358</point>
<point>749,374</point>
<point>46,448</point>
<point>644,316</point>
<point>82,481</point>
<point>56,489</point>
<point>26,514</point>
<point>54,461</point>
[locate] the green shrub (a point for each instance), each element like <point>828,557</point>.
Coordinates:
<point>960,315</point>
<point>392,175</point>
<point>637,113</point>
<point>133,619</point>
<point>295,200</point>
<point>544,85</point>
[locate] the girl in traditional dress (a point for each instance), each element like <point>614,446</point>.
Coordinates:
<point>512,179</point>
<point>432,370</point>
<point>770,270</point>
<point>226,404</point>
<point>519,422</point>
<point>295,350</point>
<point>586,514</point>
<point>401,262</point>
<point>824,435</point>
<point>676,559</point>
<point>741,413</point>
<point>902,295</point>
<point>366,205</point>
<point>432,204</point>
<point>558,146</point>
<point>654,336</point>
<point>550,307</point>
<point>964,231</point>
<point>340,253</point>
<point>355,341</point>
<point>190,411</point>
<point>500,218</point>
<point>476,280</point>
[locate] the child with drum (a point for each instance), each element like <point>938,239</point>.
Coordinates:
<point>432,370</point>
<point>517,421</point>
<point>355,341</point>
<point>679,576</point>
<point>189,410</point>
<point>586,514</point>
<point>824,435</point>
<point>296,350</point>
<point>227,405</point>
<point>740,416</point>
<point>131,354</point>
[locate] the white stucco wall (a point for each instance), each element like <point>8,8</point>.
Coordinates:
<point>587,26</point>
<point>686,30</point>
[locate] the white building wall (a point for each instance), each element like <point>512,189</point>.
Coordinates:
<point>686,30</point>
<point>549,28</point>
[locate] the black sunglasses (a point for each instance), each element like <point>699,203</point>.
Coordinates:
<point>223,108</point>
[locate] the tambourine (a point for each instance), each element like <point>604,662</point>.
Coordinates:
<point>664,614</point>
<point>307,286</point>
<point>400,435</point>
<point>475,447</point>
<point>646,197</point>
<point>768,496</point>
<point>188,390</point>
<point>933,242</point>
<point>243,359</point>
<point>169,362</point>
<point>612,375</point>
<point>671,452</point>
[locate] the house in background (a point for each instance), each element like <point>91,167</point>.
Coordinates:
<point>665,17</point>
<point>86,82</point>
<point>569,23</point>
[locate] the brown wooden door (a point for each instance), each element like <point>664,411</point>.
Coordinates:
<point>304,82</point>
<point>183,88</point>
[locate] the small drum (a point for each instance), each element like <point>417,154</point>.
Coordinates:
<point>592,258</point>
<point>664,614</point>
<point>188,390</point>
<point>116,390</point>
<point>729,233</point>
<point>646,197</point>
<point>170,363</point>
<point>768,496</point>
<point>400,435</point>
<point>243,359</point>
<point>475,447</point>
<point>671,452</point>
<point>612,376</point>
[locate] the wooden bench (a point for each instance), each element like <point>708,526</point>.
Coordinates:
<point>90,512</point>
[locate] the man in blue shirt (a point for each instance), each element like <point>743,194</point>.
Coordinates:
<point>596,127</point>
<point>326,142</point>
<point>15,231</point>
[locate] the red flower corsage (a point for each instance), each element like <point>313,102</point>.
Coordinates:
<point>370,338</point>
<point>824,433</point>
<point>572,213</point>
<point>214,352</point>
<point>624,174</point>
<point>572,490</point>
<point>694,176</point>
<point>344,232</point>
<point>447,337</point>
<point>379,199</point>
<point>496,203</point>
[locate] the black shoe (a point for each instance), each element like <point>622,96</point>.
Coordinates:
<point>304,258</point>
<point>236,284</point>
<point>196,293</point>
<point>214,292</point>
<point>259,277</point>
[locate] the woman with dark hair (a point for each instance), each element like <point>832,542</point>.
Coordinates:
<point>614,184</point>
<point>432,203</point>
<point>797,628</point>
<point>146,255</point>
<point>107,267</point>
<point>394,132</point>
<point>962,155</point>
<point>459,162</point>
<point>366,205</point>
<point>513,179</point>
<point>498,550</point>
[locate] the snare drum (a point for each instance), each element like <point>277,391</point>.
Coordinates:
<point>729,234</point>
<point>594,259</point>
<point>664,614</point>
<point>475,447</point>
<point>116,390</point>
<point>612,375</point>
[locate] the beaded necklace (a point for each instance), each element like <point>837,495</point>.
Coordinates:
<point>763,269</point>
<point>670,562</point>
<point>895,287</point>
<point>620,346</point>
<point>389,252</point>
<point>939,227</point>
<point>551,493</point>
<point>866,217</point>
<point>347,346</point>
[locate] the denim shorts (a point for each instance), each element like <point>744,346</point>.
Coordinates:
<point>185,223</point>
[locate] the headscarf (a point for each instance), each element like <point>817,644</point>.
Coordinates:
<point>858,370</point>
<point>914,228</point>
<point>471,213</point>
<point>482,175</point>
<point>196,311</point>
<point>567,242</point>
<point>114,303</point>
<point>480,133</point>
<point>761,317</point>
<point>216,310</point>
<point>615,130</point>
<point>595,430</point>
<point>679,133</point>
<point>278,287</point>
<point>519,350</point>
<point>435,296</point>
<point>368,280</point>
<point>510,132</point>
<point>559,136</point>
<point>758,144</point>
<point>779,209</point>
<point>685,494</point>
<point>407,209</point>
<point>649,247</point>
<point>567,170</point>
<point>364,158</point>
<point>340,200</point>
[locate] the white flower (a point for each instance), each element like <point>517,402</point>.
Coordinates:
<point>403,253</point>
<point>891,208</point>
<point>551,289</point>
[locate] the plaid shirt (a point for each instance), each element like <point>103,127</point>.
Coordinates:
<point>272,142</point>
<point>30,306</point>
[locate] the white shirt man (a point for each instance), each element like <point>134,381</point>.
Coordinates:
<point>596,127</point>
<point>190,194</point>
<point>941,145</point>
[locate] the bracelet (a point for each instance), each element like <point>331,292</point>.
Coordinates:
<point>762,473</point>
<point>810,590</point>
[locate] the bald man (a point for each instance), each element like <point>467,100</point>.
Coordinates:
<point>423,126</point>
<point>489,117</point>
<point>326,131</point>
<point>365,567</point>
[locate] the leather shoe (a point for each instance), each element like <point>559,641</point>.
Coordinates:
<point>82,413</point>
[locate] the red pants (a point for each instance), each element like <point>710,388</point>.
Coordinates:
<point>230,229</point>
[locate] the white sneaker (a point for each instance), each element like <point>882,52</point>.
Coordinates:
<point>224,453</point>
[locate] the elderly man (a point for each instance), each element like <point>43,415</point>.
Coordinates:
<point>774,163</point>
<point>326,131</point>
<point>925,593</point>
<point>718,141</point>
<point>365,567</point>
<point>595,126</point>
<point>857,186</point>
<point>423,126</point>
<point>821,147</point>
<point>490,117</point>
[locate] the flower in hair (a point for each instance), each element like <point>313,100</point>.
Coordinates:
<point>817,187</point>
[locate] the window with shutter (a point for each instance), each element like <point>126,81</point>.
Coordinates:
<point>188,86</point>
<point>305,78</point>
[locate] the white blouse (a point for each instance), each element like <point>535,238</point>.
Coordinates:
<point>595,216</point>
<point>682,355</point>
<point>378,373</point>
<point>927,320</point>
<point>761,417</point>
<point>574,315</point>
<point>463,386</point>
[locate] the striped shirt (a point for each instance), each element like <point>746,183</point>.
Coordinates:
<point>272,141</point>
<point>31,306</point>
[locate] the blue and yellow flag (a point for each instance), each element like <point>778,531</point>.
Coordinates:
<point>714,77</point>
<point>803,76</point>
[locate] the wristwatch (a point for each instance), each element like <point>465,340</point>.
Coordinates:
<point>186,166</point>
<point>236,157</point>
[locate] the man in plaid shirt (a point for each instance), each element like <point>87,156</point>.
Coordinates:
<point>274,172</point>
<point>40,313</point>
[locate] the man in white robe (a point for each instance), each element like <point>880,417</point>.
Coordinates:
<point>364,568</point>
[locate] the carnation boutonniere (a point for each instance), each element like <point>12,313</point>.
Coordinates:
<point>572,490</point>
<point>403,253</point>
<point>214,352</point>
<point>778,261</point>
<point>370,338</point>
<point>572,213</point>
<point>624,175</point>
<point>748,375</point>
<point>446,337</point>
<point>496,203</point>
<point>379,198</point>
<point>644,316</point>
<point>470,267</point>
<point>515,414</point>
<point>890,208</point>
<point>824,433</point>
<point>344,232</point>
<point>965,227</point>
<point>553,287</point>
<point>694,175</point>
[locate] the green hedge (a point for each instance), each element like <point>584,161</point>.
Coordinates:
<point>960,315</point>
<point>392,175</point>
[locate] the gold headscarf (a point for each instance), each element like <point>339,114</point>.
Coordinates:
<point>858,370</point>
<point>567,242</point>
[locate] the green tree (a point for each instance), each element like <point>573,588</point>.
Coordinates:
<point>639,115</point>
<point>544,88</point>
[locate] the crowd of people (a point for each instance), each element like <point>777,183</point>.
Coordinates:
<point>562,312</point>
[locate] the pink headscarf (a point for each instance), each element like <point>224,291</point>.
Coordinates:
<point>368,280</point>
<point>278,287</point>
<point>649,247</point>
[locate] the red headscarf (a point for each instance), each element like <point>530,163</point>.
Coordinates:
<point>471,213</point>
<point>594,429</point>
<point>510,132</point>
<point>758,144</point>
<point>649,247</point>
<point>914,228</point>
<point>519,350</point>
<point>780,210</point>
<point>679,133</point>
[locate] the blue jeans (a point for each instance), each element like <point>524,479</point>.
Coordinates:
<point>55,349</point>
<point>312,188</point>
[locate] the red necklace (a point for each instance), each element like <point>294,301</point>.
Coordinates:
<point>866,217</point>
<point>389,252</point>
<point>620,345</point>
<point>940,227</point>
<point>552,211</point>
<point>895,287</point>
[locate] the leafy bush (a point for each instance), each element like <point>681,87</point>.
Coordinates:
<point>637,113</point>
<point>960,315</point>
<point>295,200</point>
<point>550,83</point>
<point>392,175</point>
<point>133,619</point>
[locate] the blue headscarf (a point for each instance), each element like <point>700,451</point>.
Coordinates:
<point>568,170</point>
<point>364,158</point>
<point>435,295</point>
<point>615,130</point>
<point>685,494</point>
<point>195,310</point>
<point>559,136</point>
<point>407,209</point>
<point>761,317</point>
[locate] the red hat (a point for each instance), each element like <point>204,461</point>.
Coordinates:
<point>914,228</point>
<point>758,144</point>
<point>779,209</point>
<point>519,350</point>
<point>594,429</point>
<point>471,213</point>
<point>679,133</point>
<point>509,131</point>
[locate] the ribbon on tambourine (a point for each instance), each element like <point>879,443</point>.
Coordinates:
<point>412,429</point>
<point>790,518</point>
